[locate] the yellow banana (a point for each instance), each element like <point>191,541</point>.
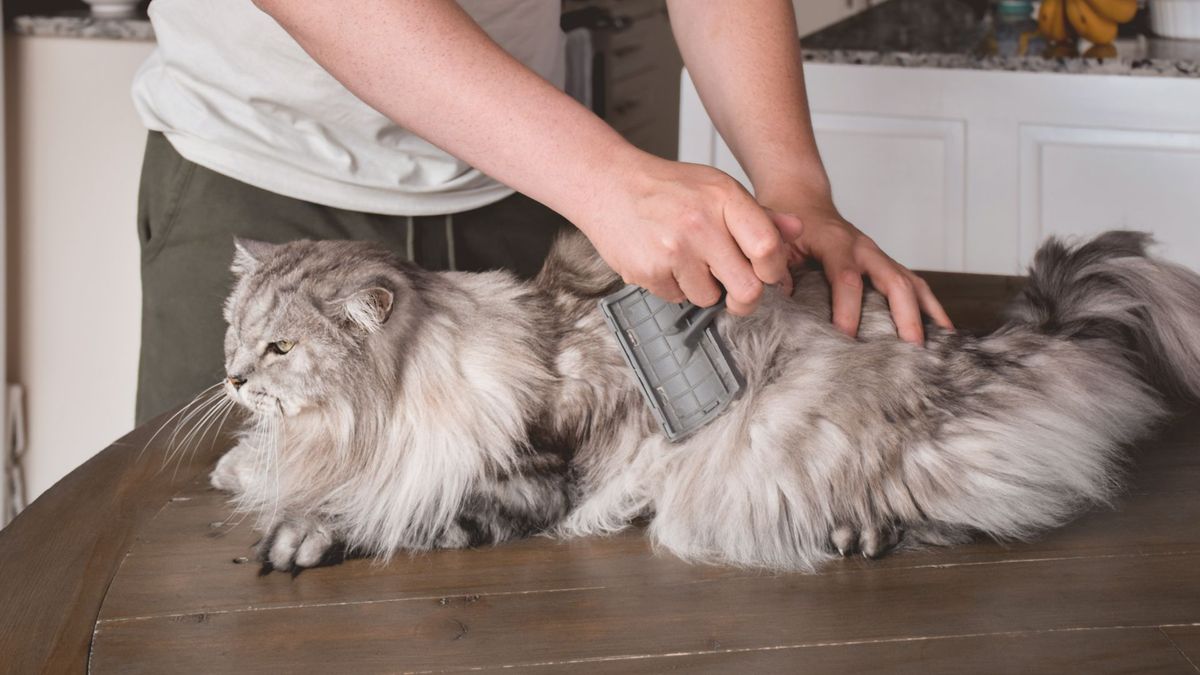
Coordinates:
<point>1100,52</point>
<point>1118,11</point>
<point>1090,25</point>
<point>1051,21</point>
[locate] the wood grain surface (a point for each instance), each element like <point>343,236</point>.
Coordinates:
<point>123,567</point>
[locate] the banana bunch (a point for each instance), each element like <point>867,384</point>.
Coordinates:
<point>1094,20</point>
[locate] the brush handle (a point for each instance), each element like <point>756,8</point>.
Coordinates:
<point>699,321</point>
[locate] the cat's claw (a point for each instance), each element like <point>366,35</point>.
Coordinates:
<point>296,545</point>
<point>872,542</point>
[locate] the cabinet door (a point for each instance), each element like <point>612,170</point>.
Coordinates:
<point>901,180</point>
<point>1083,181</point>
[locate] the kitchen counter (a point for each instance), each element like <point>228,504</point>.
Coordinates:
<point>84,25</point>
<point>966,34</point>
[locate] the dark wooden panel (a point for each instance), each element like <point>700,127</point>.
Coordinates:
<point>975,302</point>
<point>1187,640</point>
<point>1139,650</point>
<point>1170,461</point>
<point>743,613</point>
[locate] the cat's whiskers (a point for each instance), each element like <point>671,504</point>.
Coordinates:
<point>195,438</point>
<point>199,425</point>
<point>197,411</point>
<point>202,395</point>
<point>177,444</point>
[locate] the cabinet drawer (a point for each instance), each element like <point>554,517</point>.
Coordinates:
<point>640,47</point>
<point>631,101</point>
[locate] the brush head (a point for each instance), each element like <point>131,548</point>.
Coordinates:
<point>679,359</point>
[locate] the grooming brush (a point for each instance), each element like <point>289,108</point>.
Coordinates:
<point>681,363</point>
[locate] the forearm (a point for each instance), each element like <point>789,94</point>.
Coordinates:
<point>744,58</point>
<point>428,67</point>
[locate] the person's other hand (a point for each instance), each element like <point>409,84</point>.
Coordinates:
<point>683,231</point>
<point>847,256</point>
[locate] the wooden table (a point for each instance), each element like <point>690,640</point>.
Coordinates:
<point>124,567</point>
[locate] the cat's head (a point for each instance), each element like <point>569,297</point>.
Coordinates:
<point>301,319</point>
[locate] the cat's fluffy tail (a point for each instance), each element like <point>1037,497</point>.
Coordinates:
<point>1109,288</point>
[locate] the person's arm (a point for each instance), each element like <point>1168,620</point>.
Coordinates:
<point>667,226</point>
<point>745,60</point>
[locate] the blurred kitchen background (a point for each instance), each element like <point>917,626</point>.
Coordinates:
<point>955,132</point>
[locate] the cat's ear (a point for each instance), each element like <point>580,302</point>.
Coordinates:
<point>247,253</point>
<point>369,308</point>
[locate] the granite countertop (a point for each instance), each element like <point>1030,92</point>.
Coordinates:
<point>84,25</point>
<point>968,34</point>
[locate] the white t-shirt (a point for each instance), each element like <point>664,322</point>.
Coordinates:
<point>233,92</point>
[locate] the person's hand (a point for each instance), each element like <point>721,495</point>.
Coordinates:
<point>848,255</point>
<point>679,230</point>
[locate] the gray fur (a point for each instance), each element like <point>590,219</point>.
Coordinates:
<point>421,410</point>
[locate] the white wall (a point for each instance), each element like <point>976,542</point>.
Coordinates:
<point>74,313</point>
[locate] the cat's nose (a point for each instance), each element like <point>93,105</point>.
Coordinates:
<point>237,381</point>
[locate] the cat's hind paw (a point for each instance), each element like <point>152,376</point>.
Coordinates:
<point>872,542</point>
<point>296,545</point>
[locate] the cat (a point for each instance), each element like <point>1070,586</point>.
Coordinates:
<point>396,409</point>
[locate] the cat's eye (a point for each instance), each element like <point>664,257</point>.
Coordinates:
<point>281,346</point>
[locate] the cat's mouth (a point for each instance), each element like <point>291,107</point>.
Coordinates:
<point>261,402</point>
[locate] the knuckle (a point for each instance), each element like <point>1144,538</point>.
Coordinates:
<point>671,243</point>
<point>861,244</point>
<point>690,220</point>
<point>903,284</point>
<point>764,247</point>
<point>851,278</point>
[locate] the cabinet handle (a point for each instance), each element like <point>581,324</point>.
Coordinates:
<point>625,106</point>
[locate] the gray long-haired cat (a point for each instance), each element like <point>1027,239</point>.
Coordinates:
<point>398,409</point>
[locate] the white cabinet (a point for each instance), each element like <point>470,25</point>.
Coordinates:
<point>813,15</point>
<point>965,170</point>
<point>865,154</point>
<point>1075,180</point>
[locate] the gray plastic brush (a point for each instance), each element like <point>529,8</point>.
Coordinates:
<point>681,363</point>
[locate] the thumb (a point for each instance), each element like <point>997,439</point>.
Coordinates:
<point>789,225</point>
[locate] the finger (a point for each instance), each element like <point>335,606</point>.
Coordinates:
<point>890,280</point>
<point>663,287</point>
<point>846,287</point>
<point>931,306</point>
<point>758,237</point>
<point>790,225</point>
<point>698,284</point>
<point>795,257</point>
<point>743,288</point>
<point>787,286</point>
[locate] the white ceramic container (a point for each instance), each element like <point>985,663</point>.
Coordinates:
<point>1176,18</point>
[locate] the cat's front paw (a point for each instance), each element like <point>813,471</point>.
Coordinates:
<point>295,545</point>
<point>235,469</point>
<point>872,542</point>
